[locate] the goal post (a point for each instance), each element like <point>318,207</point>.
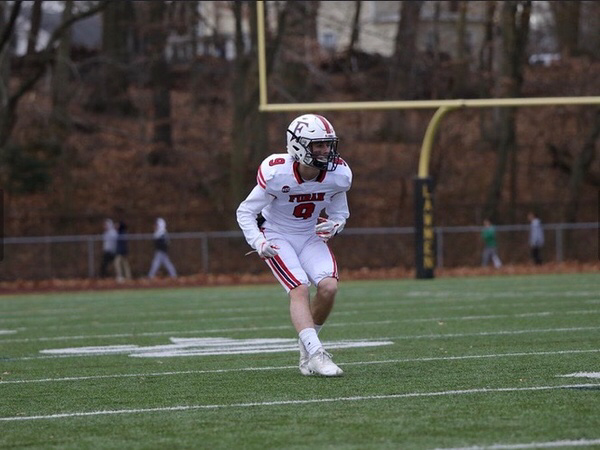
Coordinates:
<point>425,260</point>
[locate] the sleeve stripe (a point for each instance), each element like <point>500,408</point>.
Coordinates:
<point>260,179</point>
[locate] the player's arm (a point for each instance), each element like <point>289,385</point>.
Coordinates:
<point>246,218</point>
<point>248,210</point>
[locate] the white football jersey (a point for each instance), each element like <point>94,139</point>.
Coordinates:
<point>290,204</point>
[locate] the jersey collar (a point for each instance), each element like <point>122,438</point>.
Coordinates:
<point>298,177</point>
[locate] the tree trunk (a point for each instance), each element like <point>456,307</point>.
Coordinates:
<point>355,35</point>
<point>298,67</point>
<point>7,106</point>
<point>4,80</point>
<point>112,95</point>
<point>61,94</point>
<point>239,136</point>
<point>159,81</point>
<point>402,78</point>
<point>34,31</point>
<point>249,129</point>
<point>515,29</point>
<point>461,64</point>
<point>566,19</point>
<point>580,167</point>
<point>486,53</point>
<point>39,63</point>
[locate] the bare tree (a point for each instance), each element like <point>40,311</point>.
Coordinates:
<point>111,93</point>
<point>461,65</point>
<point>515,30</point>
<point>589,38</point>
<point>60,76</point>
<point>34,30</point>
<point>37,64</point>
<point>402,76</point>
<point>154,37</point>
<point>578,166</point>
<point>300,51</point>
<point>566,18</point>
<point>355,34</point>
<point>486,53</point>
<point>249,130</point>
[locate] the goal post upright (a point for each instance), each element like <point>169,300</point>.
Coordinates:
<point>423,183</point>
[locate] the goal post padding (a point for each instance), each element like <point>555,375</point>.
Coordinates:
<point>424,230</point>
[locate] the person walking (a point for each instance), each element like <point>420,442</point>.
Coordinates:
<point>490,245</point>
<point>536,237</point>
<point>293,190</point>
<point>161,250</point>
<point>109,246</point>
<point>122,267</point>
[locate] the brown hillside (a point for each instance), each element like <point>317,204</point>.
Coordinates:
<point>106,172</point>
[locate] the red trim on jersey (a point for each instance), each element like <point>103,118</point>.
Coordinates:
<point>326,124</point>
<point>282,272</point>
<point>335,268</point>
<point>297,173</point>
<point>275,271</point>
<point>321,176</point>
<point>260,179</point>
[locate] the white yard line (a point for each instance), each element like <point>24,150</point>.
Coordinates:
<point>163,333</point>
<point>283,327</point>
<point>342,313</point>
<point>401,337</point>
<point>409,298</point>
<point>295,402</point>
<point>552,444</point>
<point>257,369</point>
<point>582,375</point>
<point>507,316</point>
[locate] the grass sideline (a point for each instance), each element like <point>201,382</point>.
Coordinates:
<point>265,277</point>
<point>464,362</point>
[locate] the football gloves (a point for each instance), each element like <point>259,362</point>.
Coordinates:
<point>265,248</point>
<point>326,228</point>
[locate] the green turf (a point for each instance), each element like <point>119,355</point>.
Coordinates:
<point>457,342</point>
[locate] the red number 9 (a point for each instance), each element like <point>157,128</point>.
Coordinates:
<point>276,161</point>
<point>304,210</point>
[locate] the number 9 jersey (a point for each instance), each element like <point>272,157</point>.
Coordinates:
<point>290,204</point>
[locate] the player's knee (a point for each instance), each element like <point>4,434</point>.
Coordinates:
<point>299,293</point>
<point>327,287</point>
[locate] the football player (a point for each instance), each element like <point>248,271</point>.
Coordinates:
<point>301,199</point>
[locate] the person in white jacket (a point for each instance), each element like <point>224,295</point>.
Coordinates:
<point>536,237</point>
<point>109,246</point>
<point>300,199</point>
<point>161,250</point>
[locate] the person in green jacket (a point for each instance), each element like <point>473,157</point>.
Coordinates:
<point>490,245</point>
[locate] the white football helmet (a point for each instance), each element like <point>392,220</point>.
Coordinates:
<point>305,130</point>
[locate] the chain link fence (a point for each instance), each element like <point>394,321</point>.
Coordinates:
<point>79,256</point>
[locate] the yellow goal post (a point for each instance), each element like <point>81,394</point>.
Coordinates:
<point>424,231</point>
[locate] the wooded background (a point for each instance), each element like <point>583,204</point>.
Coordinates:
<point>140,127</point>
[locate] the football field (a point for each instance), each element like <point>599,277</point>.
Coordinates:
<point>503,362</point>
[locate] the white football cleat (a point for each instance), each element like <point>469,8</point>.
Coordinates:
<point>303,365</point>
<point>321,363</point>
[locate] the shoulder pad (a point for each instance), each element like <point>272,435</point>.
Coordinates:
<point>270,166</point>
<point>343,174</point>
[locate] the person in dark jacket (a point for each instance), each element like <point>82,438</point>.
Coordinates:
<point>121,262</point>
<point>161,249</point>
